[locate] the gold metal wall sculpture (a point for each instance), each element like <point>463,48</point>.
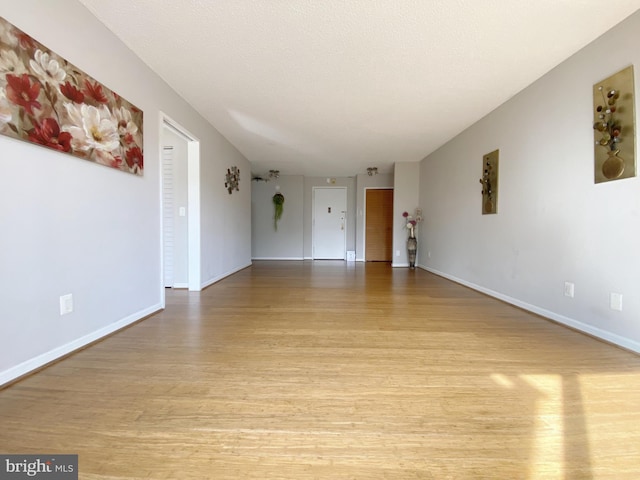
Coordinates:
<point>614,127</point>
<point>232,179</point>
<point>489,182</point>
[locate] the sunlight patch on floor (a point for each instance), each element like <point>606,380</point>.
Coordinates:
<point>547,442</point>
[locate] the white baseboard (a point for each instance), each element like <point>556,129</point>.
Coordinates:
<point>40,361</point>
<point>224,275</point>
<point>279,258</point>
<point>569,322</point>
<point>296,258</point>
<point>399,265</point>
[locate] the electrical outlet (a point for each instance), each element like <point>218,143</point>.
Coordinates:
<point>66,304</point>
<point>615,301</point>
<point>429,254</point>
<point>569,289</point>
<point>397,253</point>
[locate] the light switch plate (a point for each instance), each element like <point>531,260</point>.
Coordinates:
<point>66,304</point>
<point>569,289</point>
<point>615,301</point>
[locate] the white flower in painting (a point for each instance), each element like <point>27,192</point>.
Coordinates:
<point>7,35</point>
<point>10,63</point>
<point>126,125</point>
<point>5,110</point>
<point>92,128</point>
<point>47,68</point>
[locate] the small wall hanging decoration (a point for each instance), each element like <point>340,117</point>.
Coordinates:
<point>48,101</point>
<point>233,179</point>
<point>278,208</point>
<point>489,182</point>
<point>614,127</point>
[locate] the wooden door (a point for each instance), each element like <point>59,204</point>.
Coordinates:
<point>379,225</point>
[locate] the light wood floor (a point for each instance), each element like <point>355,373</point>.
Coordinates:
<point>326,370</point>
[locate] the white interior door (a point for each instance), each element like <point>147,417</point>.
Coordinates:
<point>175,193</point>
<point>168,213</point>
<point>329,223</point>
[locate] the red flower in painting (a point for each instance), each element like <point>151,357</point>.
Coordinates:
<point>117,161</point>
<point>134,157</point>
<point>22,92</point>
<point>94,90</point>
<point>48,134</point>
<point>72,93</point>
<point>109,159</point>
<point>25,40</point>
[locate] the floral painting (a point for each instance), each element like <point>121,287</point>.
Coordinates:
<point>48,101</point>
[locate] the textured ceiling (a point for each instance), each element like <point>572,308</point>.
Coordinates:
<point>330,87</point>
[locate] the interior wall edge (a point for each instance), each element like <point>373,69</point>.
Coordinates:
<point>41,361</point>
<point>216,279</point>
<point>572,323</point>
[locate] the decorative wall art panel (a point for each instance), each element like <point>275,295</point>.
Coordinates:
<point>489,182</point>
<point>46,100</point>
<point>614,127</point>
<point>232,179</point>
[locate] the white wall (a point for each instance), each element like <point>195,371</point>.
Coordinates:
<point>290,240</point>
<point>293,240</point>
<point>287,241</point>
<point>405,199</point>
<point>71,226</point>
<point>553,223</point>
<point>225,218</point>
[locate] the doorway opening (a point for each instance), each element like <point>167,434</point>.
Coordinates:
<point>180,201</point>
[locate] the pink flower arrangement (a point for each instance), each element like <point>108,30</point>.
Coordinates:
<point>411,221</point>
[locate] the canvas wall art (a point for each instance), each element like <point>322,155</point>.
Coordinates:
<point>614,127</point>
<point>48,101</point>
<point>489,182</point>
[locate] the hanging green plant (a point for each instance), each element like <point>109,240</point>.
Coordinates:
<point>278,202</point>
